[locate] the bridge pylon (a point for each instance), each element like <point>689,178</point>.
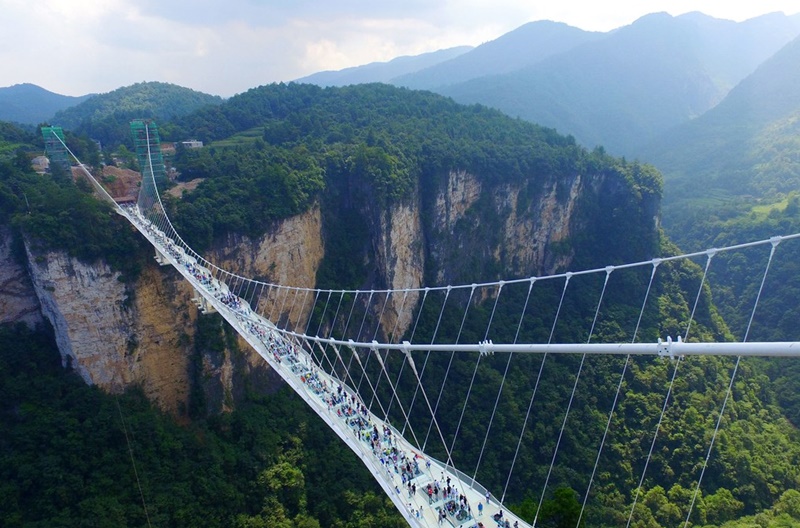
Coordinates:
<point>55,147</point>
<point>147,145</point>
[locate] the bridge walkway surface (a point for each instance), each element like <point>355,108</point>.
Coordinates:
<point>403,471</point>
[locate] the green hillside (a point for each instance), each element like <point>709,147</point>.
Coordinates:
<point>106,117</point>
<point>30,104</point>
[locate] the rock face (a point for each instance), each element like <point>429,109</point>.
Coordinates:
<point>18,301</point>
<point>115,338</point>
<point>290,254</point>
<point>456,228</point>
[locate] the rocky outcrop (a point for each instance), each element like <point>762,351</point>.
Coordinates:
<point>401,258</point>
<point>289,254</point>
<point>18,301</point>
<point>143,333</point>
<point>115,335</point>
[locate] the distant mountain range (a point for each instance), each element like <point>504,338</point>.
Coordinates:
<point>384,72</point>
<point>710,102</point>
<point>29,104</point>
<point>746,147</point>
<point>619,89</point>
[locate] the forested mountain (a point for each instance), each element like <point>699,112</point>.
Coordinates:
<point>13,139</point>
<point>619,89</point>
<point>383,71</point>
<point>106,117</point>
<point>30,104</point>
<point>640,80</point>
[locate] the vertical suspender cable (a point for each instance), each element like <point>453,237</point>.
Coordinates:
<point>516,452</point>
<point>374,335</point>
<point>709,255</point>
<point>360,328</point>
<point>656,262</point>
<point>390,338</point>
<point>428,355</point>
<point>536,384</point>
<point>775,241</point>
<point>502,383</point>
<point>475,371</point>
<point>449,364</point>
<point>609,269</point>
<point>402,366</point>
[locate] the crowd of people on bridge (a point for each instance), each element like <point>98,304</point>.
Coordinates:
<point>401,465</point>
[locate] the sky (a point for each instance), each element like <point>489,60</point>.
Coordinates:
<point>224,47</point>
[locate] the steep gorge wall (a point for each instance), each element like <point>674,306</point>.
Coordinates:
<point>460,229</point>
<point>289,254</point>
<point>18,302</point>
<point>116,335</point>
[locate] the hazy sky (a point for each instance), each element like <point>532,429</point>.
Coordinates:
<point>223,47</point>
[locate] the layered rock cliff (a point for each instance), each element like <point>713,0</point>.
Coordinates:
<point>454,228</point>
<point>116,335</point>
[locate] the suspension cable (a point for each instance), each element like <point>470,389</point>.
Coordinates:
<point>527,413</point>
<point>449,364</point>
<point>428,355</point>
<point>475,371</point>
<point>402,366</point>
<point>502,382</point>
<point>709,256</point>
<point>609,269</point>
<point>775,243</point>
<point>364,318</point>
<point>374,335</point>
<point>389,338</point>
<point>616,395</point>
<point>536,385</point>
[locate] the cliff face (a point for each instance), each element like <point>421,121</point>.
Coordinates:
<point>501,224</point>
<point>18,302</point>
<point>289,254</point>
<point>453,229</point>
<point>115,336</point>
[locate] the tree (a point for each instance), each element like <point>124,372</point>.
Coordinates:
<point>562,511</point>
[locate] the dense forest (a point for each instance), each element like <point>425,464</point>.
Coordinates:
<point>283,147</point>
<point>72,455</point>
<point>105,117</point>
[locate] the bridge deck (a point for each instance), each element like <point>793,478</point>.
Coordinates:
<point>393,461</point>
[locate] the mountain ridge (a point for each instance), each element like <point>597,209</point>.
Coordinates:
<point>383,71</point>
<point>30,104</point>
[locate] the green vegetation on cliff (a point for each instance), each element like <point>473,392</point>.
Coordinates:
<point>54,213</point>
<point>365,148</point>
